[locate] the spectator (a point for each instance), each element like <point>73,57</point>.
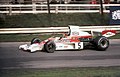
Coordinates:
<point>93,2</point>
<point>106,1</point>
<point>54,2</point>
<point>14,2</point>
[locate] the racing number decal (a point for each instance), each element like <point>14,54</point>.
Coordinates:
<point>79,45</point>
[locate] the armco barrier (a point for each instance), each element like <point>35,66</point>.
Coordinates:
<point>56,29</point>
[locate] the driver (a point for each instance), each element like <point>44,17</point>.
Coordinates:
<point>64,35</point>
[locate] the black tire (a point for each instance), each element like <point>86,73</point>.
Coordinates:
<point>35,40</point>
<point>101,43</point>
<point>50,47</point>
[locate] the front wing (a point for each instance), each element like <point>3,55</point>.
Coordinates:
<point>31,48</point>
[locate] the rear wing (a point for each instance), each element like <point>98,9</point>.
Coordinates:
<point>106,33</point>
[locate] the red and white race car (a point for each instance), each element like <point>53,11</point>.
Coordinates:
<point>74,40</point>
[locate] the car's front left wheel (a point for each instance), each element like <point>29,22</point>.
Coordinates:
<point>50,47</point>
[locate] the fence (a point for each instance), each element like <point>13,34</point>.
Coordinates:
<point>56,29</point>
<point>55,8</point>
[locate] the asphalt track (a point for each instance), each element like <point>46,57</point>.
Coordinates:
<point>13,58</point>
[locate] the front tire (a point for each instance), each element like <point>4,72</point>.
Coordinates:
<point>101,43</point>
<point>50,47</point>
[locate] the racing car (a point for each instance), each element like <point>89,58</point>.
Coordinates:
<point>75,39</point>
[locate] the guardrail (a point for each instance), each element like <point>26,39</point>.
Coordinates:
<point>33,30</point>
<point>55,29</point>
<point>55,8</point>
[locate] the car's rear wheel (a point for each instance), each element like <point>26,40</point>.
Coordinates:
<point>35,40</point>
<point>101,43</point>
<point>50,47</point>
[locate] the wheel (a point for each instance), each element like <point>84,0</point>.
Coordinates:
<point>35,40</point>
<point>50,47</point>
<point>101,43</point>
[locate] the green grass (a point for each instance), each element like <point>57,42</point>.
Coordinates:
<point>63,72</point>
<point>117,36</point>
<point>46,20</point>
<point>21,37</point>
<point>29,37</point>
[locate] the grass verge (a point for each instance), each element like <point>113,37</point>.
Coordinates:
<point>46,20</point>
<point>63,72</point>
<point>21,37</point>
<point>29,37</point>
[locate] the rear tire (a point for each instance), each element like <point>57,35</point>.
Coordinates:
<point>35,40</point>
<point>50,47</point>
<point>101,43</point>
